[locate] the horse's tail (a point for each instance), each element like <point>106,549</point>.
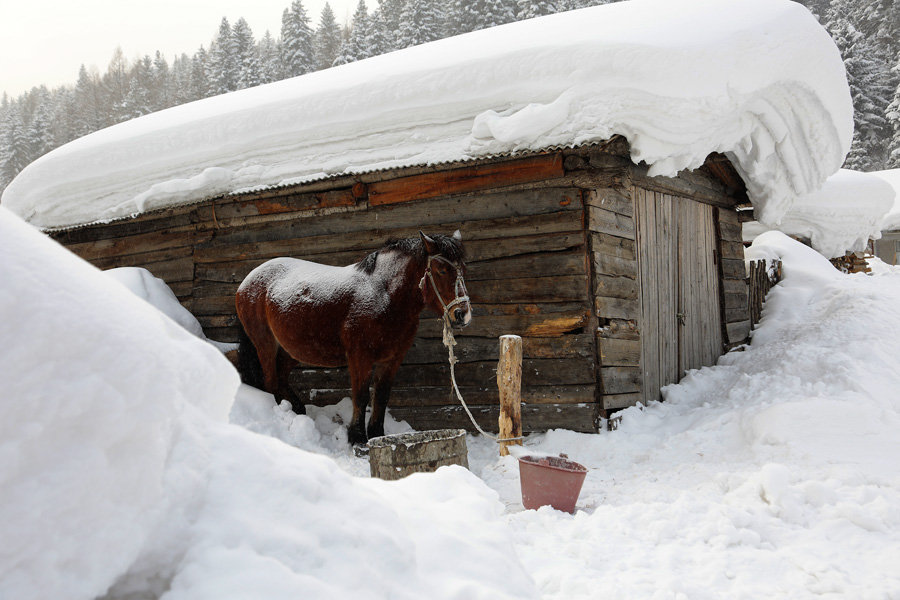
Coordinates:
<point>248,365</point>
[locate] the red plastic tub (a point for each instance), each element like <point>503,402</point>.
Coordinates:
<point>550,480</point>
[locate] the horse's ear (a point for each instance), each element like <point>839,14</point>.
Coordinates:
<point>457,236</point>
<point>430,244</point>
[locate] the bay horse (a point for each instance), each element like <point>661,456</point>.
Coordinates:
<point>363,316</point>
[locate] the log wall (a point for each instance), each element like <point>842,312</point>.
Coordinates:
<point>551,244</point>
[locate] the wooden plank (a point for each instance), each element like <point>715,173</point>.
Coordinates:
<point>620,380</point>
<point>420,396</point>
<point>618,401</point>
<point>469,349</point>
<point>613,199</point>
<point>140,259</point>
<point>605,264</point>
<point>619,352</point>
<point>147,242</point>
<point>527,265</point>
<point>466,179</point>
<point>535,417</point>
<point>611,245</point>
<point>223,211</point>
<point>733,268</point>
<point>615,287</point>
<point>382,222</point>
<point>738,332</point>
<point>171,271</point>
<point>521,235</point>
<point>564,288</point>
<point>606,221</point>
<point>538,325</point>
<point>618,308</point>
<point>733,250</point>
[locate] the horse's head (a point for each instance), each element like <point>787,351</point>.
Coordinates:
<point>443,284</point>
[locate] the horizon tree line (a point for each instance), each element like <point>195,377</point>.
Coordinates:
<point>867,33</point>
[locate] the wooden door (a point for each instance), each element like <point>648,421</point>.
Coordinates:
<point>679,288</point>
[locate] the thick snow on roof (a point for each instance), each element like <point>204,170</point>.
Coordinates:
<point>841,216</point>
<point>892,218</point>
<point>759,80</point>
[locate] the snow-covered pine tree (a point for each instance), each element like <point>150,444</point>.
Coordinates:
<point>199,80</point>
<point>866,76</point>
<point>182,68</point>
<point>138,101</point>
<point>297,41</point>
<point>356,46</point>
<point>222,63</point>
<point>528,9</point>
<point>380,39</point>
<point>328,38</point>
<point>248,70</point>
<point>390,15</point>
<point>40,129</point>
<point>14,156</point>
<point>421,21</point>
<point>269,51</point>
<point>161,93</point>
<point>893,116</point>
<point>115,86</point>
<point>87,117</point>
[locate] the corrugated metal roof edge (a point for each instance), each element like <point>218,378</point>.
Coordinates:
<point>514,154</point>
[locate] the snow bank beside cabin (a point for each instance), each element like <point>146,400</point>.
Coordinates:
<point>143,284</point>
<point>758,80</point>
<point>843,215</point>
<point>120,475</point>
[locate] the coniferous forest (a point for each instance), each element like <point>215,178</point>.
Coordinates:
<point>867,32</point>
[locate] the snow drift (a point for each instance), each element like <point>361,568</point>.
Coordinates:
<point>121,477</point>
<point>758,80</point>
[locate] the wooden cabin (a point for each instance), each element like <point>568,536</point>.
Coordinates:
<point>618,282</point>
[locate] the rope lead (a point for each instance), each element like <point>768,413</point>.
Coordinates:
<point>450,342</point>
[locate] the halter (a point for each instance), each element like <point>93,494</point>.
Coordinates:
<point>459,286</point>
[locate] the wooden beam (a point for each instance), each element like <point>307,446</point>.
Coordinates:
<point>467,179</point>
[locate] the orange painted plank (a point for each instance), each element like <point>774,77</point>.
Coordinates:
<point>466,179</point>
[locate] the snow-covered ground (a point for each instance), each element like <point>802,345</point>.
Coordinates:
<point>758,80</point>
<point>774,474</point>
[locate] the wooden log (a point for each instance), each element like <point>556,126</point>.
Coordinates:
<point>467,179</point>
<point>614,199</point>
<point>618,308</point>
<point>619,353</point>
<point>612,245</point>
<point>509,383</point>
<point>618,401</point>
<point>535,417</point>
<point>435,396</point>
<point>620,380</point>
<point>606,221</point>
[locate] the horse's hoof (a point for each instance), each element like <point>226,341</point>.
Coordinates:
<point>361,450</point>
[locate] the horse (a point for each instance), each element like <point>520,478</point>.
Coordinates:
<point>363,316</point>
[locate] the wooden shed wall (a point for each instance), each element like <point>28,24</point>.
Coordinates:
<point>551,257</point>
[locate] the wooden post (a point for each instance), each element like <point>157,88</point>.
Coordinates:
<point>509,380</point>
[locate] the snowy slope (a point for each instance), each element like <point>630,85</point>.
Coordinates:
<point>759,80</point>
<point>119,474</point>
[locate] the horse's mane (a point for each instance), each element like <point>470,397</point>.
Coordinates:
<point>448,247</point>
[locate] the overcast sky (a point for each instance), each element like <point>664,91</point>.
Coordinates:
<point>45,41</point>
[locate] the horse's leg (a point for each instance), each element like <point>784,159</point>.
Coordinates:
<point>284,365</point>
<point>360,376</point>
<point>383,379</point>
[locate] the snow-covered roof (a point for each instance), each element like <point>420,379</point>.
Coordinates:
<point>842,215</point>
<point>892,218</point>
<point>758,80</point>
